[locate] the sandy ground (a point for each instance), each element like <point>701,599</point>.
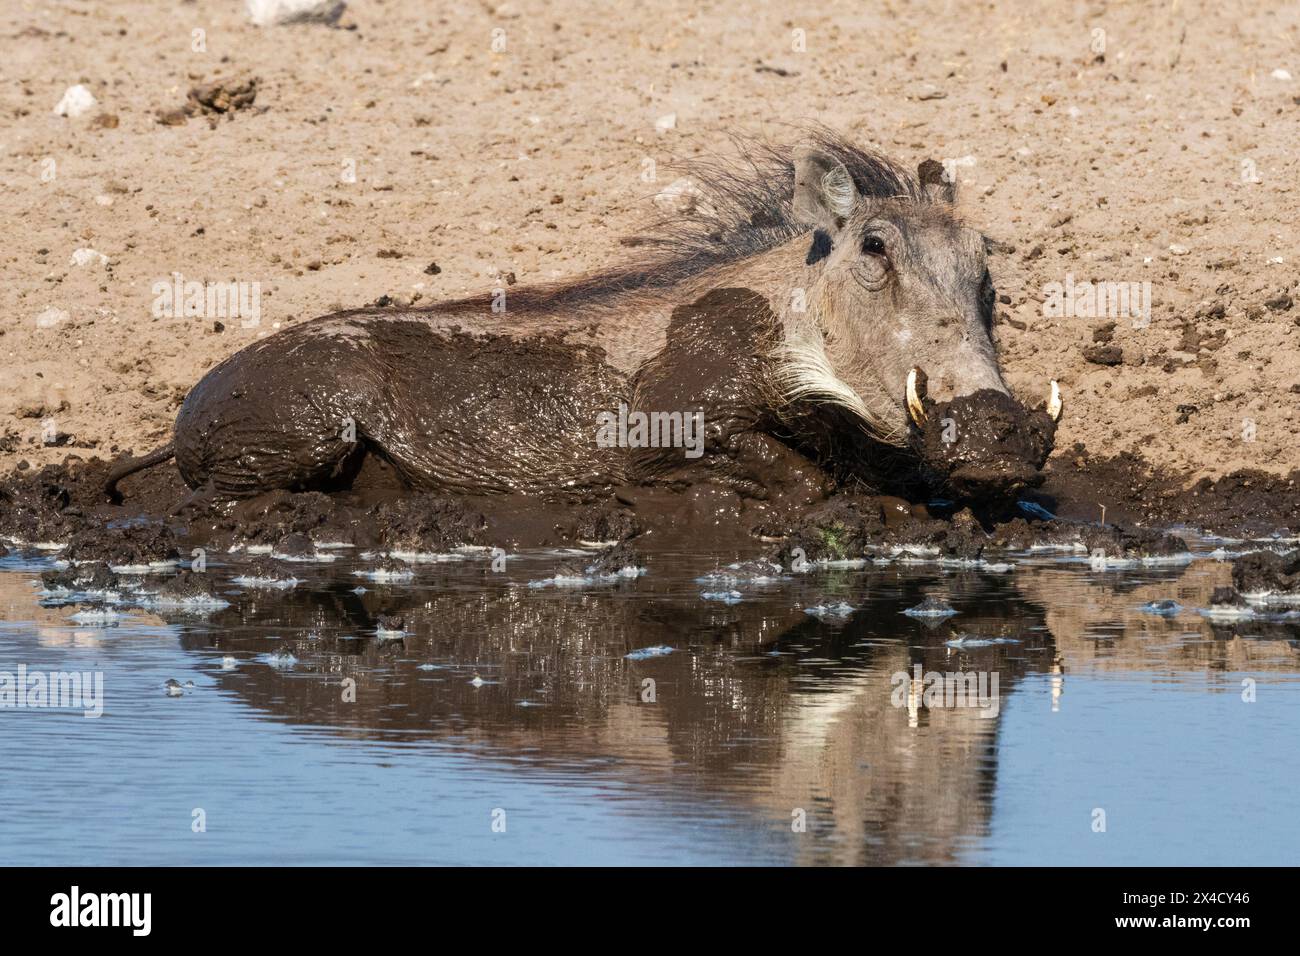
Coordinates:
<point>1169,157</point>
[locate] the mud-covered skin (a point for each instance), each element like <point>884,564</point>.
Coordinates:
<point>469,414</point>
<point>718,362</point>
<point>449,410</point>
<point>984,444</point>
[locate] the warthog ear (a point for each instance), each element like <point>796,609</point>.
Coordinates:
<point>824,193</point>
<point>936,182</point>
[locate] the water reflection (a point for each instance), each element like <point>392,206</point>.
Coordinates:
<point>790,738</point>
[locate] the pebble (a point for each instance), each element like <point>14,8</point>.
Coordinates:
<point>50,318</point>
<point>87,257</point>
<point>266,13</point>
<point>76,101</point>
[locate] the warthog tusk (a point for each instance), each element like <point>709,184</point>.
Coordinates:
<point>915,407</point>
<point>1054,403</point>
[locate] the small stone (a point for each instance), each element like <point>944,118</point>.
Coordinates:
<point>88,257</point>
<point>266,13</point>
<point>76,101</point>
<point>50,318</point>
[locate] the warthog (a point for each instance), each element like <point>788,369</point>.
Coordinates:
<point>800,304</point>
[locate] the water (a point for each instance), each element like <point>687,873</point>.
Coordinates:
<point>763,717</point>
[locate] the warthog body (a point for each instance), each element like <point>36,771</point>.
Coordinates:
<point>787,307</point>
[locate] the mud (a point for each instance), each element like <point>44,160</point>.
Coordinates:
<point>189,586</point>
<point>275,517</point>
<point>606,523</point>
<point>61,503</point>
<point>1224,597</point>
<point>428,524</point>
<point>134,544</point>
<point>1267,572</point>
<point>94,576</point>
<point>1079,484</point>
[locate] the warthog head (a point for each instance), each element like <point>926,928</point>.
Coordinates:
<point>898,326</point>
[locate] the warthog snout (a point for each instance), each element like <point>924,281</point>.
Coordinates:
<point>982,445</point>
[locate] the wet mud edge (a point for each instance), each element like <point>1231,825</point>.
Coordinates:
<point>64,503</point>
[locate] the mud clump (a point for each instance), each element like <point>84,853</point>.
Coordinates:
<point>984,445</point>
<point>387,566</point>
<point>262,568</point>
<point>275,517</point>
<point>1121,542</point>
<point>132,545</point>
<point>189,586</point>
<point>224,96</point>
<point>295,545</point>
<point>38,507</point>
<point>964,539</point>
<point>846,529</point>
<point>51,503</point>
<point>606,523</point>
<point>839,530</point>
<point>1226,597</point>
<point>613,560</point>
<point>428,524</point>
<point>96,576</point>
<point>1267,572</point>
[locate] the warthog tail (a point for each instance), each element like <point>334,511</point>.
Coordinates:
<point>131,466</point>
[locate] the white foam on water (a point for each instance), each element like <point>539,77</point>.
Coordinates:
<point>96,616</point>
<point>382,574</point>
<point>824,612</point>
<point>279,584</point>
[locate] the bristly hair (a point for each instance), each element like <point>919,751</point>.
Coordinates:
<point>745,203</point>
<point>742,206</point>
<point>805,377</point>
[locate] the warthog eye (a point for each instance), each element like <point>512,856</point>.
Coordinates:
<point>873,246</point>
